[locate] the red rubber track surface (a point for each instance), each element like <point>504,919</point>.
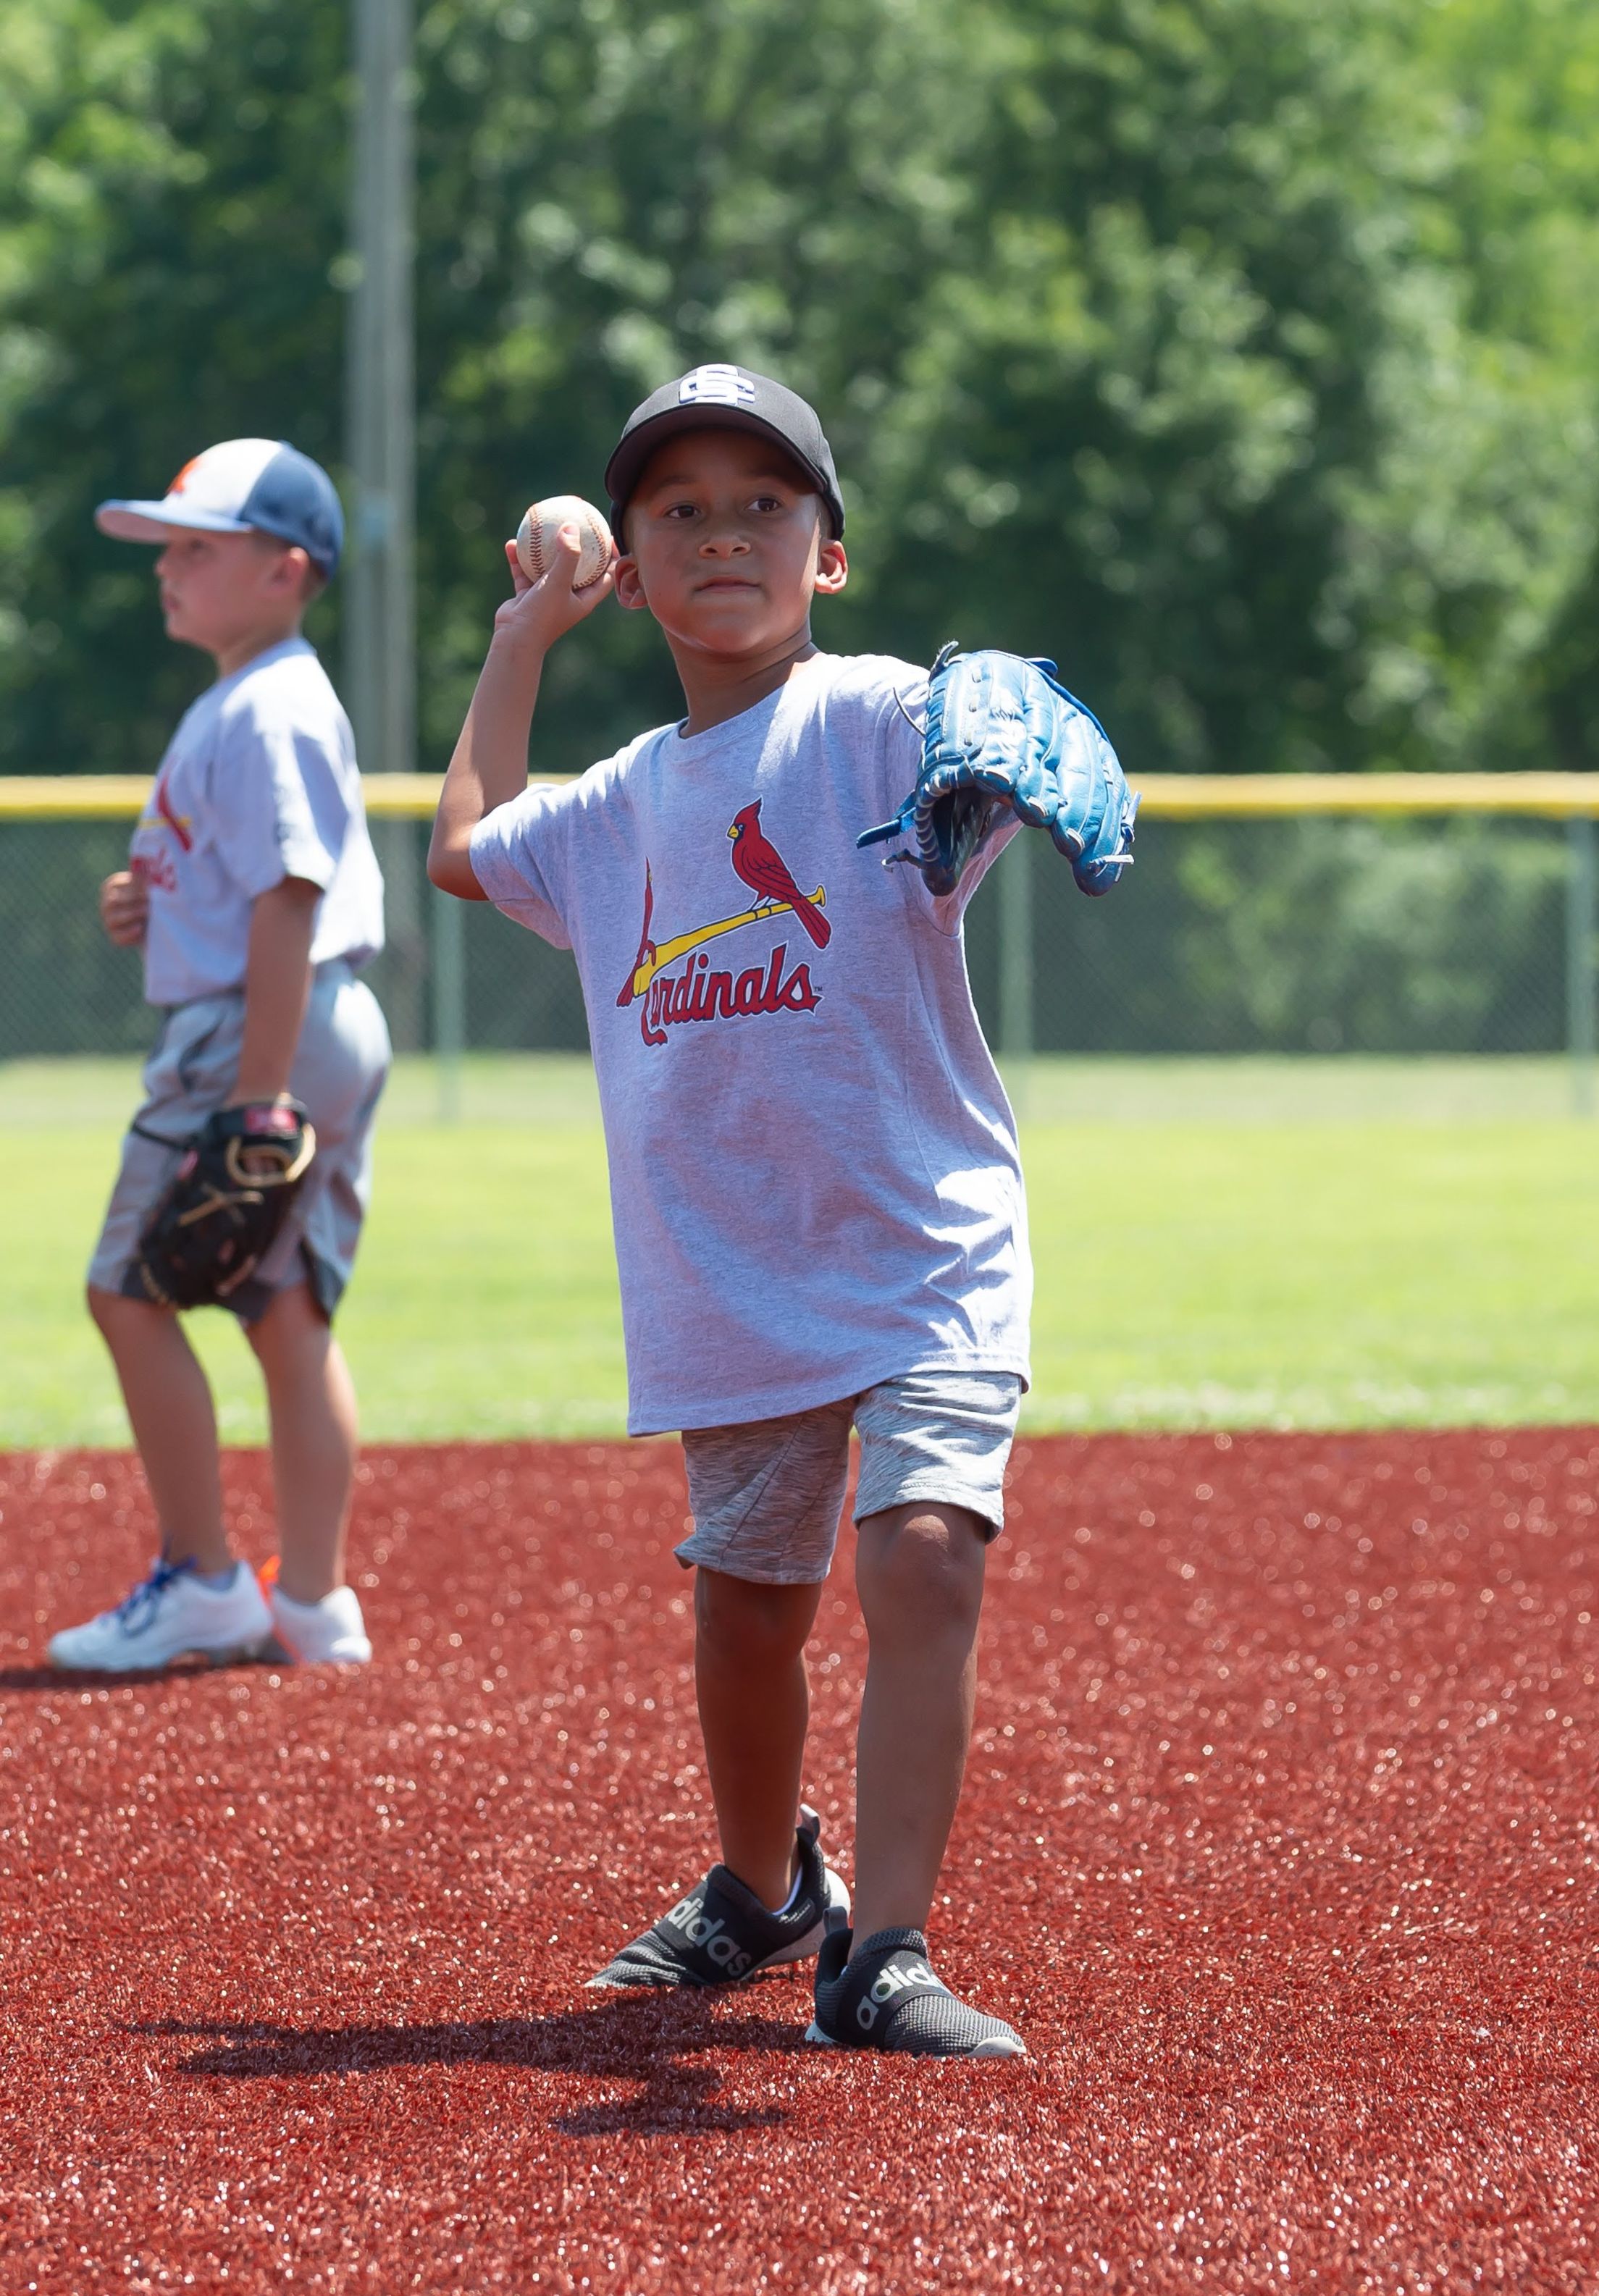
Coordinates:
<point>1279,1843</point>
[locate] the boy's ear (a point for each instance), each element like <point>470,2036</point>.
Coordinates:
<point>290,567</point>
<point>832,569</point>
<point>310,580</point>
<point>629,589</point>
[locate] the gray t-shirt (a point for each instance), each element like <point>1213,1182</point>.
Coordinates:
<point>257,783</point>
<point>814,1174</point>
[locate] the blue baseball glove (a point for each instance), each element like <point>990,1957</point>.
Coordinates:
<point>1003,735</point>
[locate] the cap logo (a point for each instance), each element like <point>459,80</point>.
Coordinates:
<point>176,487</point>
<point>716,386</point>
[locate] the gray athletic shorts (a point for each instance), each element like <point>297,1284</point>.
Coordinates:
<point>340,1068</point>
<point>766,1495</point>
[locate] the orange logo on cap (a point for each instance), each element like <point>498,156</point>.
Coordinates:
<point>176,487</point>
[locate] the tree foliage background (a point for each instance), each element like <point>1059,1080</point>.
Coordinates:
<point>1239,354</point>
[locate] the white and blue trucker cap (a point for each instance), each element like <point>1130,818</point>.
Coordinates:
<point>245,486</point>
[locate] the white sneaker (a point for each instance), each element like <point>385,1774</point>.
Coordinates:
<point>171,1614</point>
<point>328,1633</point>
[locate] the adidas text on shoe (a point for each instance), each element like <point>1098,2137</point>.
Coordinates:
<point>889,1997</point>
<point>169,1615</point>
<point>719,1934</point>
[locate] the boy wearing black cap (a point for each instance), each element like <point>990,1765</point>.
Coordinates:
<point>815,1180</point>
<point>254,894</point>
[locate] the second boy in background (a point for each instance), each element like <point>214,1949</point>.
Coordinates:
<point>253,894</point>
<point>814,1179</point>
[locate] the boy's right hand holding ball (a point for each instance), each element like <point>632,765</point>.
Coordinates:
<point>563,563</point>
<point>124,909</point>
<point>551,590</point>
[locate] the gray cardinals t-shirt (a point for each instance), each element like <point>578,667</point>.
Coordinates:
<point>814,1174</point>
<point>258,783</point>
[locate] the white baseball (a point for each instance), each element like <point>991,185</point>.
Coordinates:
<point>535,539</point>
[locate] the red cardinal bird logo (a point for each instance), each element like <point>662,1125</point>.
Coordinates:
<point>757,860</point>
<point>177,823</point>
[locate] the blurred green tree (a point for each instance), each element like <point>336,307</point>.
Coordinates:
<point>1224,348</point>
<point>1466,541</point>
<point>171,190</point>
<point>1517,216</point>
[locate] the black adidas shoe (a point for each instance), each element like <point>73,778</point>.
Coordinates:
<point>721,1934</point>
<point>889,1997</point>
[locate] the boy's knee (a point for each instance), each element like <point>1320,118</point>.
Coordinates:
<point>919,1571</point>
<point>116,1316</point>
<point>756,1624</point>
<point>289,1329</point>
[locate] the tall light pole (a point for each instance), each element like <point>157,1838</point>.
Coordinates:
<point>380,387</point>
<point>379,416</point>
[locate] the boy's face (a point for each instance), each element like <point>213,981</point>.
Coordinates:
<point>725,544</point>
<point>218,590</point>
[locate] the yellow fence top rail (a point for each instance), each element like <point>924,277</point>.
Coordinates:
<point>1194,797</point>
<point>111,796</point>
<point>1166,797</point>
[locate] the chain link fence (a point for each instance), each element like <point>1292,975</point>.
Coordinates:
<point>1296,934</point>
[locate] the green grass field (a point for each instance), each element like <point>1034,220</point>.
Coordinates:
<point>1312,1243</point>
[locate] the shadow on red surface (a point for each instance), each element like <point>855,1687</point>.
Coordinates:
<point>646,2040</point>
<point>35,1679</point>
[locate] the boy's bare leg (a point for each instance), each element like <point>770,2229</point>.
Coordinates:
<point>754,1696</point>
<point>174,1424</point>
<point>918,1571</point>
<point>311,1404</point>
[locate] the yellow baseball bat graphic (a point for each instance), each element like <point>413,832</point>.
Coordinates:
<point>656,960</point>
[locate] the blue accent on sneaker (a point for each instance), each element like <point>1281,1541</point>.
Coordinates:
<point>147,1595</point>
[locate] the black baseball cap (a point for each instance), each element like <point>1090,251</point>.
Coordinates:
<point>726,398</point>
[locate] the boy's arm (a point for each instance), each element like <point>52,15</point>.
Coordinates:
<point>277,983</point>
<point>490,767</point>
